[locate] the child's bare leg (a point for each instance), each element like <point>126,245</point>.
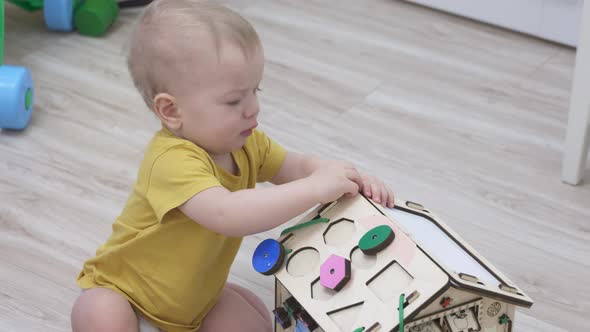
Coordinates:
<point>254,300</point>
<point>101,309</point>
<point>236,311</point>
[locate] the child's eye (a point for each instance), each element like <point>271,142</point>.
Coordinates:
<point>234,102</point>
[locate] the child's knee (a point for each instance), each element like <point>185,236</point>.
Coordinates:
<point>265,324</point>
<point>233,312</point>
<point>251,298</point>
<point>101,309</point>
<point>259,317</point>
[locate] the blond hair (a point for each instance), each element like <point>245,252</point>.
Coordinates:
<point>162,44</point>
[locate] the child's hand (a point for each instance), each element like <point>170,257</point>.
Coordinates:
<point>335,180</point>
<point>377,190</point>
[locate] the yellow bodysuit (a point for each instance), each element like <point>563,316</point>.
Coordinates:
<point>170,268</point>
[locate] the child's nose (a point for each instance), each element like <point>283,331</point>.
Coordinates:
<point>253,109</point>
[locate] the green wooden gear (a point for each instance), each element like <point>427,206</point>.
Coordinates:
<point>376,240</point>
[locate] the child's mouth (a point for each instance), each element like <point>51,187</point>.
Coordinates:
<point>247,132</point>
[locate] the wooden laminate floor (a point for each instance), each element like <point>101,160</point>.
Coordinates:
<point>465,118</point>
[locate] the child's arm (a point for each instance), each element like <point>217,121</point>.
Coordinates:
<point>297,166</point>
<point>251,211</point>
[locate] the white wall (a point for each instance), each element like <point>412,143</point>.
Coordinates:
<point>555,20</point>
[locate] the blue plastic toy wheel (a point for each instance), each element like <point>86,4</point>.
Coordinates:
<point>16,97</point>
<point>59,14</point>
<point>268,257</point>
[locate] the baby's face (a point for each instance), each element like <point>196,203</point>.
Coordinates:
<point>218,98</point>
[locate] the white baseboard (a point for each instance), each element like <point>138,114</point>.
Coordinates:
<point>555,20</point>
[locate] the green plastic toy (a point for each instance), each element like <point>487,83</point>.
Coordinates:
<point>89,17</point>
<point>16,90</point>
<point>1,29</point>
<point>94,17</point>
<point>28,5</point>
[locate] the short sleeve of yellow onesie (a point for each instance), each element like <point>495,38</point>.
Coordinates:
<point>169,267</point>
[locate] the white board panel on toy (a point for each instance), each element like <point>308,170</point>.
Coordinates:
<point>461,261</point>
<point>371,294</point>
<point>438,244</point>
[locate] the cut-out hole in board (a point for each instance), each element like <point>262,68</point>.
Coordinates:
<point>319,292</point>
<point>430,326</point>
<point>388,283</point>
<point>347,316</point>
<point>339,232</point>
<point>464,320</point>
<point>360,260</point>
<point>374,328</point>
<point>303,261</point>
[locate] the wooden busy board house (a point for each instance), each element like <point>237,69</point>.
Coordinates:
<point>354,266</point>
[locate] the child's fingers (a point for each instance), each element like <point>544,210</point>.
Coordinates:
<point>352,189</point>
<point>354,176</point>
<point>376,191</point>
<point>363,184</point>
<point>391,200</point>
<point>384,195</point>
<point>367,186</point>
<point>367,189</point>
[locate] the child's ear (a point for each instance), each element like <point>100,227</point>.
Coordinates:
<point>167,110</point>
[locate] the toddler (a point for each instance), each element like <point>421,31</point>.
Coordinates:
<point>198,67</point>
